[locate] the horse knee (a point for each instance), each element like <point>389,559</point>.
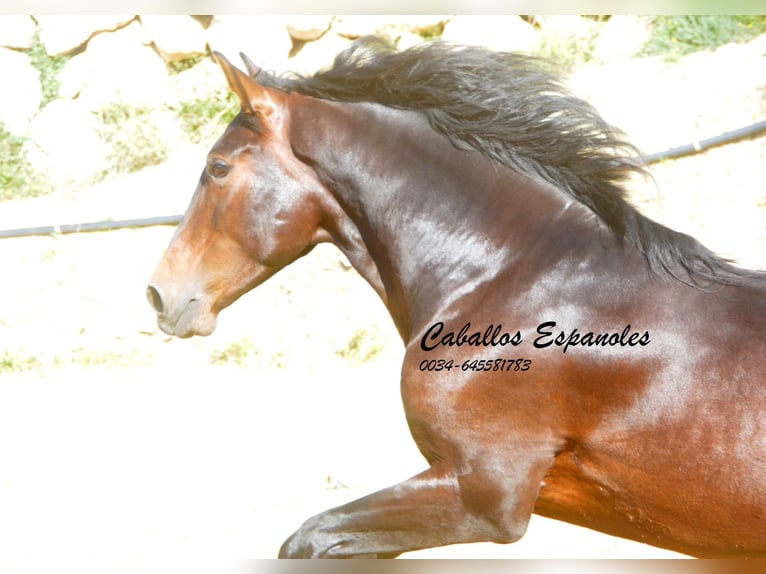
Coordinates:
<point>511,532</point>
<point>504,517</point>
<point>503,506</point>
<point>501,529</point>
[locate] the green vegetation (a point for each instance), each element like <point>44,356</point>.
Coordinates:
<point>13,166</point>
<point>567,51</point>
<point>17,363</point>
<point>178,66</point>
<point>431,32</point>
<point>133,139</point>
<point>237,352</point>
<point>18,177</point>
<point>79,356</point>
<point>89,358</point>
<point>675,36</point>
<point>132,135</point>
<point>361,347</point>
<point>48,67</point>
<point>200,117</point>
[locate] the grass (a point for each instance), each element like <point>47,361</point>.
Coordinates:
<point>79,356</point>
<point>361,347</point>
<point>18,177</point>
<point>88,358</point>
<point>671,37</point>
<point>199,117</point>
<point>567,52</point>
<point>10,363</point>
<point>175,67</point>
<point>48,68</point>
<point>237,352</point>
<point>13,166</point>
<point>676,36</point>
<point>134,140</point>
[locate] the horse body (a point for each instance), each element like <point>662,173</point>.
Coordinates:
<point>653,431</point>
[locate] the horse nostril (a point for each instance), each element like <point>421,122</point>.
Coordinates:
<point>154,298</point>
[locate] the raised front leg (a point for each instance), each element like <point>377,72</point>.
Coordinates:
<point>431,509</point>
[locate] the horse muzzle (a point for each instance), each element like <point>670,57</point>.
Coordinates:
<point>181,317</point>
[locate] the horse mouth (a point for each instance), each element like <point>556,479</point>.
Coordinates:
<point>193,318</point>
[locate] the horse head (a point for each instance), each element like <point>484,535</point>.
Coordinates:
<point>255,210</point>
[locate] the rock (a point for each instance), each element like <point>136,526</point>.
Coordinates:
<point>264,38</point>
<point>407,40</point>
<point>352,26</point>
<point>66,35</point>
<point>117,67</point>
<point>203,20</point>
<point>402,31</point>
<point>620,38</point>
<point>566,26</point>
<point>16,32</point>
<point>203,81</point>
<point>21,95</point>
<point>317,55</point>
<point>355,26</point>
<point>501,33</point>
<point>64,142</point>
<point>174,37</point>
<point>308,28</point>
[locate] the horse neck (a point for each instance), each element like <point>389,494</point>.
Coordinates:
<point>424,223</point>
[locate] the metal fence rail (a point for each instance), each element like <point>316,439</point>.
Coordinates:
<point>747,132</point>
<point>91,226</point>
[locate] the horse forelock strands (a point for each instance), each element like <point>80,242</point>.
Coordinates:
<point>511,109</point>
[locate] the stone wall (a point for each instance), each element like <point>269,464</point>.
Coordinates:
<point>134,61</point>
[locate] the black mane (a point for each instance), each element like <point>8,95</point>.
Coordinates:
<point>508,107</point>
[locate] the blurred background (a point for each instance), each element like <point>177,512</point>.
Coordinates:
<point>117,439</point>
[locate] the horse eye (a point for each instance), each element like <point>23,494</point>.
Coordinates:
<point>218,168</point>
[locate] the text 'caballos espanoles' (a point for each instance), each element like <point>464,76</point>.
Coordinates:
<point>545,335</point>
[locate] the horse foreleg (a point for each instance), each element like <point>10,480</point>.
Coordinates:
<point>428,510</point>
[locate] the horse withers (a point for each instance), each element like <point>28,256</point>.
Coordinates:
<point>565,355</point>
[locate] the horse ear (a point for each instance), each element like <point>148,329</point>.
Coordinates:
<point>254,98</point>
<point>252,69</point>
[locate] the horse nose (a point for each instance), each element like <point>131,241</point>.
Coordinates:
<point>155,299</point>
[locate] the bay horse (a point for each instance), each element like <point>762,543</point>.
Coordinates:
<point>564,354</point>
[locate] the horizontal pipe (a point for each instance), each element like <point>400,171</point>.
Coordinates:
<point>698,146</point>
<point>92,226</point>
